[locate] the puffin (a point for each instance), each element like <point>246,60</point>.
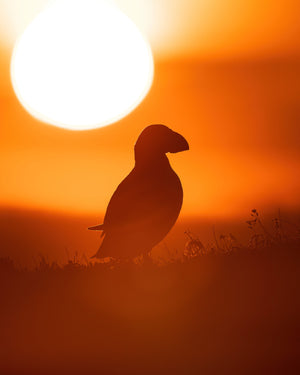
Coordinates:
<point>147,203</point>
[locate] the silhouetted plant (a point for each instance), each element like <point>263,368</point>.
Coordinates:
<point>193,247</point>
<point>259,239</point>
<point>228,243</point>
<point>45,265</point>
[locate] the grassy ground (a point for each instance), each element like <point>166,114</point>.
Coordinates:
<point>221,308</point>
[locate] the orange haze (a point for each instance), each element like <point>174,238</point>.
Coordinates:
<point>239,112</point>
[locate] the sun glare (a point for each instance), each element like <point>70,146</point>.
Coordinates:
<point>81,64</point>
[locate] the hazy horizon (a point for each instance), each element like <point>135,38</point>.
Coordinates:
<point>25,235</point>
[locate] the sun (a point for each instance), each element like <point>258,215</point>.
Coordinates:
<point>81,64</point>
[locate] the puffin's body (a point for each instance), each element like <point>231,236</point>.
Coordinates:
<point>146,204</point>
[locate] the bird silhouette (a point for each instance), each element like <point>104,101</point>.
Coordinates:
<point>146,204</point>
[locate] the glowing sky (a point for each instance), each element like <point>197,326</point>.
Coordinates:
<point>206,27</point>
<point>227,78</point>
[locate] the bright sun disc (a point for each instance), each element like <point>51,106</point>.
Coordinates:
<point>81,64</point>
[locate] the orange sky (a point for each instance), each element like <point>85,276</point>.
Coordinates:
<point>234,94</point>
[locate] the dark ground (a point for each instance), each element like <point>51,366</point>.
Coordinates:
<point>234,312</point>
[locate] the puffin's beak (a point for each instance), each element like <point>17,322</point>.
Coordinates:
<point>178,143</point>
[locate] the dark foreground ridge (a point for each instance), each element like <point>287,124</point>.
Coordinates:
<point>221,309</point>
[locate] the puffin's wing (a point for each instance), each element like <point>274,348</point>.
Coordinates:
<point>127,205</point>
<point>134,203</point>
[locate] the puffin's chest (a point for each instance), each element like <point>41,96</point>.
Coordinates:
<point>163,187</point>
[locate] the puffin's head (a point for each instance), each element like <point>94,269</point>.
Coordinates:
<point>159,139</point>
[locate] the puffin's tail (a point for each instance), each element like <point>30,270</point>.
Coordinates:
<point>96,227</point>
